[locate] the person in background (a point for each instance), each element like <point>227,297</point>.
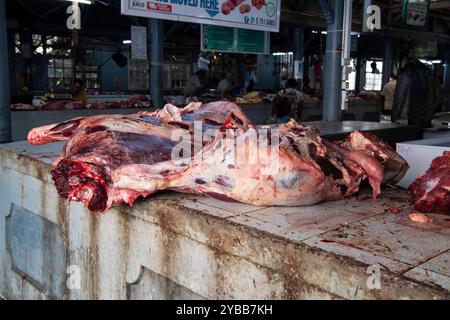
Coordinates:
<point>250,80</point>
<point>414,98</point>
<point>387,95</point>
<point>78,92</point>
<point>440,95</point>
<point>224,85</point>
<point>307,87</point>
<point>289,103</point>
<point>195,85</point>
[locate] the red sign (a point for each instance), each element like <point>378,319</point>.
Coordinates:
<point>159,7</point>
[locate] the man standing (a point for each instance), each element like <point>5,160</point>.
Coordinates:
<point>195,84</point>
<point>414,98</point>
<point>387,94</point>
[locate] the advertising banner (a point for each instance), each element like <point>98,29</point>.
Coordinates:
<point>261,15</point>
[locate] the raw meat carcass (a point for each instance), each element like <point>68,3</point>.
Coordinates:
<point>53,106</point>
<point>138,102</point>
<point>431,191</point>
<point>73,106</point>
<point>117,158</point>
<point>97,105</point>
<point>215,113</point>
<point>23,106</point>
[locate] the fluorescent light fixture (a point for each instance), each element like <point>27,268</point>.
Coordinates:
<point>436,61</point>
<point>126,41</point>
<point>282,53</point>
<point>81,1</point>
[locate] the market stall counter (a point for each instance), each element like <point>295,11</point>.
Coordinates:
<point>312,110</point>
<point>25,120</point>
<point>176,246</point>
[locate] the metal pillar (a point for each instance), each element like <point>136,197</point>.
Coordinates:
<point>5,101</point>
<point>332,73</point>
<point>387,61</point>
<point>298,55</point>
<point>240,69</point>
<point>358,75</point>
<point>156,27</point>
<point>447,77</point>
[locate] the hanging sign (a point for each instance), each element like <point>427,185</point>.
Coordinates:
<point>245,14</point>
<point>138,42</point>
<point>225,39</point>
<point>415,12</point>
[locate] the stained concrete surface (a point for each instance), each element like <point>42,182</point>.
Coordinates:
<point>194,247</point>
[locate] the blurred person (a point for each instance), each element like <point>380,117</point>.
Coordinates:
<point>439,92</point>
<point>195,85</point>
<point>250,80</point>
<point>224,85</point>
<point>387,94</point>
<point>78,92</point>
<point>289,103</point>
<point>414,98</point>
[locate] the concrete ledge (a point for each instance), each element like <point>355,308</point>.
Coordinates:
<point>182,246</point>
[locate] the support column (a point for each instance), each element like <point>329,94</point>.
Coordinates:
<point>387,61</point>
<point>447,85</point>
<point>447,78</point>
<point>332,73</point>
<point>358,75</point>
<point>156,27</point>
<point>240,69</point>
<point>5,100</point>
<point>299,54</point>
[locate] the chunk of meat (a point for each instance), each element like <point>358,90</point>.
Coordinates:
<point>420,218</point>
<point>431,191</point>
<point>395,166</point>
<point>53,106</point>
<point>23,106</point>
<point>213,114</point>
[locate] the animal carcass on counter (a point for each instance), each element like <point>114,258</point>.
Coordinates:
<point>431,191</point>
<point>115,159</point>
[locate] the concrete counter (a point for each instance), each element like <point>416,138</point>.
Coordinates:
<point>312,109</point>
<point>22,121</point>
<point>184,247</point>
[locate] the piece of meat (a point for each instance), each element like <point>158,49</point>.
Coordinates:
<point>371,166</point>
<point>114,159</point>
<point>138,102</point>
<point>420,218</point>
<point>215,113</point>
<point>97,105</point>
<point>395,167</point>
<point>23,106</point>
<point>431,191</point>
<point>73,106</point>
<point>283,174</point>
<point>53,106</point>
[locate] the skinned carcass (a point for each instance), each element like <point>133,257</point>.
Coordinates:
<point>117,158</point>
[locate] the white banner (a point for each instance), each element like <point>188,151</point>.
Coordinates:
<point>138,42</point>
<point>245,14</point>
